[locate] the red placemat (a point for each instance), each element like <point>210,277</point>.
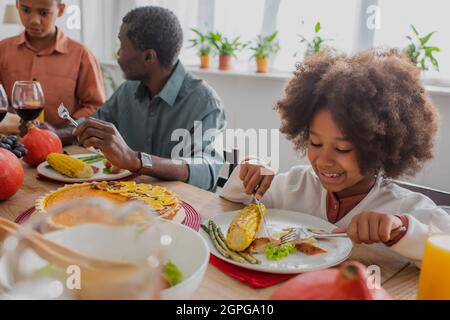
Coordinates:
<point>253,278</point>
<point>192,219</point>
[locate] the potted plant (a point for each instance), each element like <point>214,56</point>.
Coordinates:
<point>264,47</point>
<point>317,42</point>
<point>419,52</point>
<point>202,43</point>
<point>226,48</point>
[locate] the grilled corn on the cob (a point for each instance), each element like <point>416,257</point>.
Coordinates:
<point>244,226</point>
<point>69,166</point>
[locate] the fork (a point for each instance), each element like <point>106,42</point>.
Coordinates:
<point>265,229</point>
<point>307,233</point>
<point>63,113</point>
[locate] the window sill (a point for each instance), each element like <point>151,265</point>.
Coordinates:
<point>433,87</point>
<point>438,90</point>
<point>243,73</point>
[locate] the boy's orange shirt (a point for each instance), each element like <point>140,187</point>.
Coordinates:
<point>68,73</point>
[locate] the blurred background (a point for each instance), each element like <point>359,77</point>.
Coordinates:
<point>419,27</point>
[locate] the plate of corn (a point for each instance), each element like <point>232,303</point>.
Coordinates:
<point>238,237</point>
<point>79,168</point>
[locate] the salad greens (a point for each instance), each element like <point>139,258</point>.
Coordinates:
<point>274,252</point>
<point>172,274</point>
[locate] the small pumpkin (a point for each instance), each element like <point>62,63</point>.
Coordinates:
<point>40,143</point>
<point>349,282</point>
<point>11,174</point>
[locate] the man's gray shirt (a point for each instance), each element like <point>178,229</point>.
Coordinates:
<point>152,125</point>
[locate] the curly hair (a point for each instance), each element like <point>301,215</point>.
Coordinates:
<point>376,99</point>
<point>156,28</point>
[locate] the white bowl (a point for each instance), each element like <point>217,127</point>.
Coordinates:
<point>185,248</point>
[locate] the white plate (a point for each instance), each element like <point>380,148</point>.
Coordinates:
<point>338,249</point>
<point>100,176</point>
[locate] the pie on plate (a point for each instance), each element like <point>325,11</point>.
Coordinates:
<point>164,202</point>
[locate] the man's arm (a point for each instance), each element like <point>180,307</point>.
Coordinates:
<point>105,136</point>
<point>66,135</point>
<point>164,169</point>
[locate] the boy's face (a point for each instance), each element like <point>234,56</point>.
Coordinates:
<point>39,16</point>
<point>131,59</point>
<point>333,158</point>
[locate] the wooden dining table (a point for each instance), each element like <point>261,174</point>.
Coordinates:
<point>399,276</point>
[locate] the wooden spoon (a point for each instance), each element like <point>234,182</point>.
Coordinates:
<point>100,279</point>
<point>58,254</point>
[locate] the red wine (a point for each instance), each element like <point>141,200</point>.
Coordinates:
<point>2,115</point>
<point>29,114</point>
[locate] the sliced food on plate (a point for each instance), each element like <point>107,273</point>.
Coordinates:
<point>80,168</point>
<point>164,202</point>
<point>110,168</point>
<point>242,241</point>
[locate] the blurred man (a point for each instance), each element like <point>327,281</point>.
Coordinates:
<point>134,128</point>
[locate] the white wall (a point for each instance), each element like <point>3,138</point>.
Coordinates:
<point>8,30</point>
<point>249,103</point>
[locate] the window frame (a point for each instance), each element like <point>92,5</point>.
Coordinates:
<point>364,37</point>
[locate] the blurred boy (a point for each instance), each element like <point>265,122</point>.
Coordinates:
<point>66,69</point>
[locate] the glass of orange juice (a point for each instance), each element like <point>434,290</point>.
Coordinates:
<point>434,282</point>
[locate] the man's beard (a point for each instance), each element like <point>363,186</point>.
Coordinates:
<point>135,76</point>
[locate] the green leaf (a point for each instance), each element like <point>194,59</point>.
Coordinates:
<point>107,171</point>
<point>172,274</point>
<point>435,64</point>
<point>264,46</point>
<point>422,65</point>
<point>274,252</point>
<point>420,54</point>
<point>414,29</point>
<point>432,49</point>
<point>205,51</point>
<point>197,32</point>
<point>272,37</point>
<point>425,39</point>
<point>317,27</point>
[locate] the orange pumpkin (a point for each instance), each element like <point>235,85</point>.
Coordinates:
<point>11,174</point>
<point>40,143</point>
<point>349,282</point>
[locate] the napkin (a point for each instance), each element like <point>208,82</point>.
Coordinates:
<point>234,190</point>
<point>253,278</point>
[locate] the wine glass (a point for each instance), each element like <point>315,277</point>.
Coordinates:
<point>28,101</point>
<point>113,253</point>
<point>3,103</point>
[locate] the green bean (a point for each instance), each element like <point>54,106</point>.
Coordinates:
<point>216,244</point>
<point>235,256</point>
